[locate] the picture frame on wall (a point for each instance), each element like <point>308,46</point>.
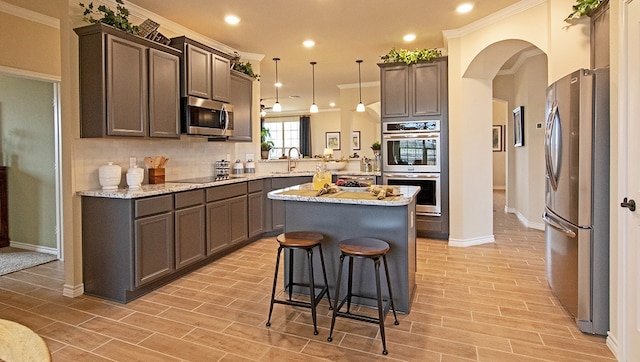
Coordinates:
<point>518,127</point>
<point>497,139</point>
<point>355,139</point>
<point>332,140</point>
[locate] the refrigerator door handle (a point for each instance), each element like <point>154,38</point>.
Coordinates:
<point>557,224</point>
<point>549,147</point>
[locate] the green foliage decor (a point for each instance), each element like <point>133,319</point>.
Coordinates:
<point>245,68</point>
<point>264,144</point>
<point>118,19</point>
<point>375,146</point>
<point>410,56</point>
<point>581,8</point>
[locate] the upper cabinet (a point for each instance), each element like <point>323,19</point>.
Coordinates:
<point>205,71</point>
<point>414,91</point>
<point>129,86</point>
<point>600,36</point>
<point>242,101</point>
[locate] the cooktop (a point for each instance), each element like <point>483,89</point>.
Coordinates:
<point>201,180</point>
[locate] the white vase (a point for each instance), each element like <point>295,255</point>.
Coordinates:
<point>109,176</point>
<point>135,175</point>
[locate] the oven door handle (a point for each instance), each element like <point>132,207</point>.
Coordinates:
<point>411,135</point>
<point>410,176</point>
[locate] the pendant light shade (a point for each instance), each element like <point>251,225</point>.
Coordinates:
<point>360,107</point>
<point>314,106</point>
<point>276,106</point>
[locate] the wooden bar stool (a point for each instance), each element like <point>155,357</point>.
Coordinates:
<point>300,240</point>
<point>367,248</point>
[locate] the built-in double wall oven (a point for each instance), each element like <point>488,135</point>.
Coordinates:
<point>411,156</point>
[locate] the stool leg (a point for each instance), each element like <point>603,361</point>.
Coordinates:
<point>273,290</point>
<point>324,274</point>
<point>312,291</point>
<point>386,270</point>
<point>336,300</point>
<point>376,265</point>
<point>290,273</point>
<point>350,284</point>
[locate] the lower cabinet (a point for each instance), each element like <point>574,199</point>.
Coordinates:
<point>256,204</point>
<point>277,206</point>
<point>190,242</point>
<point>153,245</point>
<point>226,213</point>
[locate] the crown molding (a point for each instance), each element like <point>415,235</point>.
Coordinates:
<point>522,58</point>
<point>355,85</point>
<point>29,15</point>
<point>492,19</point>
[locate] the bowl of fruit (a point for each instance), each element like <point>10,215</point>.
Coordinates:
<point>335,165</point>
<point>352,185</point>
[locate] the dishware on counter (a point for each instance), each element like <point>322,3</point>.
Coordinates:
<point>336,165</point>
<point>135,175</point>
<point>109,176</point>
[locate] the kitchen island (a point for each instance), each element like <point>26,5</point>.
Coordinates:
<point>346,215</point>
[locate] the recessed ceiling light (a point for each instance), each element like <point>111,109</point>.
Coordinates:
<point>309,43</point>
<point>464,8</point>
<point>409,37</point>
<point>332,104</point>
<point>277,84</point>
<point>232,19</point>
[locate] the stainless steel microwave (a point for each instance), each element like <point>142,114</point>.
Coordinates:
<point>205,117</point>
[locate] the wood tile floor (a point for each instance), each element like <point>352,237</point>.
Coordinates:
<point>482,303</point>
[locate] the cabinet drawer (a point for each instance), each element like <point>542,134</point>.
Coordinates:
<point>189,198</point>
<point>255,186</point>
<point>153,205</point>
<point>226,191</point>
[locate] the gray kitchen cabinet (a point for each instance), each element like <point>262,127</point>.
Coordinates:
<point>205,71</point>
<point>255,205</point>
<point>241,98</point>
<point>153,247</point>
<point>127,85</point>
<point>277,206</point>
<point>190,241</point>
<point>226,216</point>
<point>413,91</point>
<point>600,36</point>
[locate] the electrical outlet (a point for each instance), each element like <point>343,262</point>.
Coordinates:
<point>132,162</point>
<point>538,125</point>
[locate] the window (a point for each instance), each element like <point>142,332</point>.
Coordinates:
<point>285,133</point>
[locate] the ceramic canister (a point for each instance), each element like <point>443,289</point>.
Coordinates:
<point>135,175</point>
<point>109,176</point>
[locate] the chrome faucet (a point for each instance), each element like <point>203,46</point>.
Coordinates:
<point>292,165</point>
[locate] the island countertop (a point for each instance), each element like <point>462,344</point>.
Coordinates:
<point>306,193</point>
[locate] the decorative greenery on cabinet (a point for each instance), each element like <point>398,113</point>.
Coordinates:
<point>581,8</point>
<point>410,56</point>
<point>118,19</point>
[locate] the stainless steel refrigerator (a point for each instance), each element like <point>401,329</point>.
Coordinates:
<point>577,196</point>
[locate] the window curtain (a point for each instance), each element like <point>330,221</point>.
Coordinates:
<point>305,135</point>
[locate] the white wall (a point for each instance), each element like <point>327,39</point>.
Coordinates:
<point>27,145</point>
<point>499,115</point>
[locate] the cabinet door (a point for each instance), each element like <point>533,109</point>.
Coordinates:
<point>427,88</point>
<point>198,72</point>
<point>126,76</point>
<point>242,100</point>
<point>153,248</point>
<point>394,89</point>
<point>190,239</point>
<point>238,219</point>
<point>164,94</point>
<point>221,78</point>
<point>217,226</point>
<point>255,203</point>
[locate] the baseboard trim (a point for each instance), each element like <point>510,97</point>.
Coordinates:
<point>612,343</point>
<point>73,291</point>
<point>524,220</point>
<point>31,247</point>
<point>463,243</point>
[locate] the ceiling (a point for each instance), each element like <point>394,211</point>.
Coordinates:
<point>343,30</point>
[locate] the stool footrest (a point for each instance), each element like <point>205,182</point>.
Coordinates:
<point>361,317</point>
<point>297,303</point>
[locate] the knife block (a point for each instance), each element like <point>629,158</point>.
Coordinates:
<point>156,176</point>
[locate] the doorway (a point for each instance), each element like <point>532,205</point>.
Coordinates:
<point>30,149</point>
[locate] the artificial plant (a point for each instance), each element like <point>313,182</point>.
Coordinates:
<point>410,56</point>
<point>119,19</point>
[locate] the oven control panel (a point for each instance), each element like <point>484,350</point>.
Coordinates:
<point>412,126</point>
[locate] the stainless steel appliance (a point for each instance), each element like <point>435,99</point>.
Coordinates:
<point>428,200</point>
<point>205,117</point>
<point>411,156</point>
<point>577,196</point>
<point>411,146</point>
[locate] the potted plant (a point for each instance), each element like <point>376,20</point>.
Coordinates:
<point>375,146</point>
<point>265,145</point>
<point>119,19</point>
<point>581,8</point>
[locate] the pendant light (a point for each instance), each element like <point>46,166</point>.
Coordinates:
<point>360,107</point>
<point>314,106</point>
<point>276,106</point>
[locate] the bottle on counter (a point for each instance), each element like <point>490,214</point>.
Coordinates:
<point>321,177</point>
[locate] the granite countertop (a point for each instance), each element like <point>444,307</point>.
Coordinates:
<point>171,187</point>
<point>306,193</point>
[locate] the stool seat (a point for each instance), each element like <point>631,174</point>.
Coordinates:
<point>367,247</point>
<point>19,343</point>
<point>299,239</point>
